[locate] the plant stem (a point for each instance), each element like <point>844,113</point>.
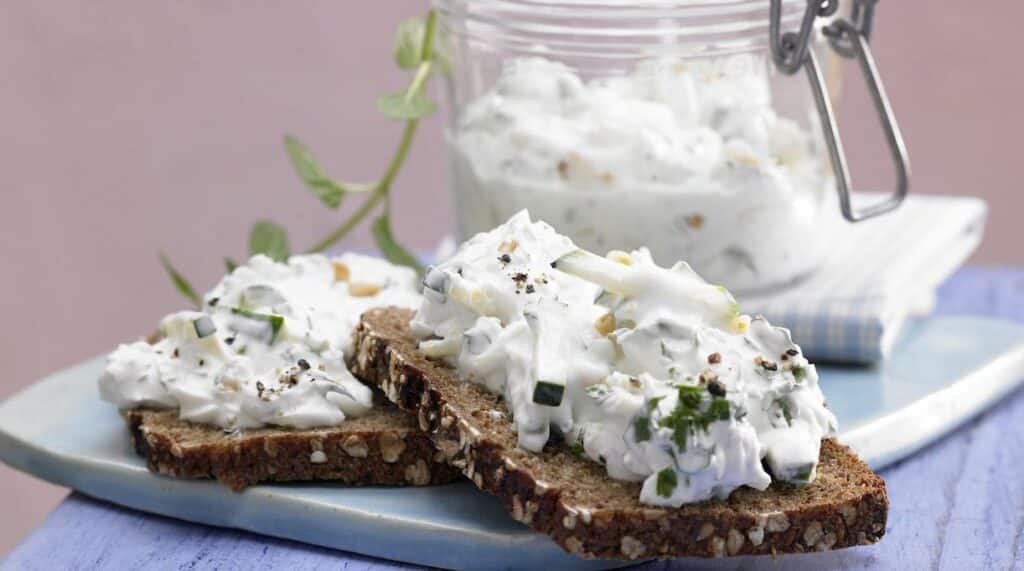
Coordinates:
<point>346,227</point>
<point>383,186</point>
<point>399,159</point>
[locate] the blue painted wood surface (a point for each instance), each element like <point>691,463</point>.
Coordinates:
<point>959,504</point>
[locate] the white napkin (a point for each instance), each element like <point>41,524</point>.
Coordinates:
<point>880,272</point>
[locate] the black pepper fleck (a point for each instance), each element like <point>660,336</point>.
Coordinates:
<point>505,258</point>
<point>175,353</point>
<point>530,288</point>
<point>716,388</point>
<point>303,364</point>
<point>792,352</point>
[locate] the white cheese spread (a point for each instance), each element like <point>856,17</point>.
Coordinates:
<point>648,370</point>
<point>267,348</point>
<point>688,158</point>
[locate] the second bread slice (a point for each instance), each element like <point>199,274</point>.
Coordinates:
<point>383,448</point>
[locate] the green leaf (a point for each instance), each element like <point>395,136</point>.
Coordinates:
<point>327,190</point>
<point>183,286</point>
<point>269,239</point>
<point>230,264</point>
<point>408,46</point>
<point>391,249</point>
<point>404,106</point>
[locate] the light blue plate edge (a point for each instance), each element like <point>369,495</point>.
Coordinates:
<point>293,512</point>
<point>302,512</point>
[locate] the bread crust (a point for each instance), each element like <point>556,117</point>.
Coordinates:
<point>572,500</point>
<point>383,448</point>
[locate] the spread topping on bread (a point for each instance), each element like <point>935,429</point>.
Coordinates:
<point>650,371</point>
<point>266,348</point>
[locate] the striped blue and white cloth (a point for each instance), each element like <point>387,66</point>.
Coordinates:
<point>879,274</point>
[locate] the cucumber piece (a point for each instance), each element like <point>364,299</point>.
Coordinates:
<point>611,276</point>
<point>273,322</point>
<point>260,295</point>
<point>803,476</point>
<point>204,326</point>
<point>549,358</point>
<point>474,298</point>
<point>549,393</point>
<point>440,348</point>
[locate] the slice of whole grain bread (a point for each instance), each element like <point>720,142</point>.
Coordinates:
<point>382,448</point>
<point>573,500</point>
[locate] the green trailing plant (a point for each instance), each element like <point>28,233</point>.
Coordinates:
<point>413,51</point>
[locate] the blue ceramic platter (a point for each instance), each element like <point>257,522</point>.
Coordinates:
<point>945,370</point>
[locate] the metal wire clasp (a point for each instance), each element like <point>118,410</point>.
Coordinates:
<point>791,51</point>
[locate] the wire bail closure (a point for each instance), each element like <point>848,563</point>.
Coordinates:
<point>791,52</point>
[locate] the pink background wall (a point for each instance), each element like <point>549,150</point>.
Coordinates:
<point>131,127</point>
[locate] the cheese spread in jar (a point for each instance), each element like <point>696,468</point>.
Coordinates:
<point>688,158</point>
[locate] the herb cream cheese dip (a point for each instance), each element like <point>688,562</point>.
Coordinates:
<point>267,347</point>
<point>650,371</point>
<point>689,159</point>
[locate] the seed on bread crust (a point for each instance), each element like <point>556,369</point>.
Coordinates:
<point>849,514</point>
<point>717,545</point>
<point>418,473</point>
<point>355,446</point>
<point>391,446</point>
<point>631,547</point>
<point>776,522</point>
<point>734,541</point>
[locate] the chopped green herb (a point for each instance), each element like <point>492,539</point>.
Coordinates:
<point>799,373</point>
<point>786,413</point>
<point>687,417</point>
<point>642,429</point>
<point>667,482</point>
<point>719,409</point>
<point>689,396</point>
<point>577,448</point>
<point>653,403</point>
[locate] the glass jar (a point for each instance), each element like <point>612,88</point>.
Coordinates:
<point>628,124</point>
